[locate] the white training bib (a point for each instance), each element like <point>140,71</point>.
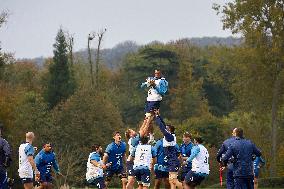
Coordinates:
<point>143,156</point>
<point>153,94</point>
<point>25,168</point>
<point>93,171</point>
<point>200,163</point>
<point>172,143</point>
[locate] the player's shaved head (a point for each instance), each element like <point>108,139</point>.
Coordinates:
<point>239,132</point>
<point>234,132</point>
<point>30,135</point>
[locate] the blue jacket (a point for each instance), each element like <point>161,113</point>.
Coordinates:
<point>5,153</point>
<point>242,150</point>
<point>45,161</point>
<point>224,148</point>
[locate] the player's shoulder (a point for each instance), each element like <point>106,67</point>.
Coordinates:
<point>123,143</point>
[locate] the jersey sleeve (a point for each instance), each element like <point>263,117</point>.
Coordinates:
<point>38,159</point>
<point>162,88</point>
<point>95,157</point>
<point>169,137</point>
<point>55,165</point>
<point>178,148</point>
<point>29,150</point>
<point>133,152</point>
<point>153,152</point>
<point>194,152</point>
<point>108,149</point>
<point>220,152</point>
<point>7,149</point>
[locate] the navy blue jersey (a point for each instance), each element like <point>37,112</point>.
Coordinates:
<point>242,150</point>
<point>160,152</point>
<point>45,161</point>
<point>259,161</point>
<point>115,155</point>
<point>185,150</point>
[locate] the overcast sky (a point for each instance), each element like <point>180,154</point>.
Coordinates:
<point>33,24</point>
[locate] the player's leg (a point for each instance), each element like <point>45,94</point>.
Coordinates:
<point>108,176</point>
<point>131,176</point>
<point>28,185</point>
<point>230,177</point>
<point>145,178</point>
<point>157,183</point>
<point>256,174</point>
<point>137,174</point>
<point>27,182</point>
<point>173,180</point>
<point>123,176</point>
<point>166,182</point>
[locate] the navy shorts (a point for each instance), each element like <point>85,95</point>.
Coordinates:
<point>27,180</point>
<point>3,179</point>
<point>119,172</point>
<point>193,179</point>
<point>240,183</point>
<point>161,174</point>
<point>152,105</point>
<point>173,165</point>
<point>45,178</point>
<point>129,166</point>
<point>142,176</point>
<point>98,183</point>
<point>183,171</point>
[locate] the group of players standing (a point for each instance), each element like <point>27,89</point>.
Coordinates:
<point>168,160</point>
<point>184,166</point>
<point>176,166</point>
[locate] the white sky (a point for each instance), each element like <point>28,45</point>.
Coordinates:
<point>33,24</point>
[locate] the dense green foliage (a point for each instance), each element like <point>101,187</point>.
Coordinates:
<point>212,89</point>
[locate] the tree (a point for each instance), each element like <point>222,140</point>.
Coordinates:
<point>261,24</point>
<point>60,84</point>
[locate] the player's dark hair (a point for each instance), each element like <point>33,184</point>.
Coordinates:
<point>239,132</point>
<point>115,132</point>
<point>171,128</point>
<point>144,140</point>
<point>199,140</point>
<point>46,144</point>
<point>187,135</point>
<point>95,147</point>
<point>127,134</point>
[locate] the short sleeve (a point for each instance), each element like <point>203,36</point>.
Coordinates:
<point>108,149</point>
<point>29,150</point>
<point>154,152</point>
<point>95,157</point>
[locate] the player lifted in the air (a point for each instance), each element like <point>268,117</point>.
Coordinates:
<point>158,86</point>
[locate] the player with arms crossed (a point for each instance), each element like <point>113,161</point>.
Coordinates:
<point>95,168</point>
<point>200,165</point>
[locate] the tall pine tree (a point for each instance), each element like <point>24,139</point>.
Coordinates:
<point>60,84</point>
